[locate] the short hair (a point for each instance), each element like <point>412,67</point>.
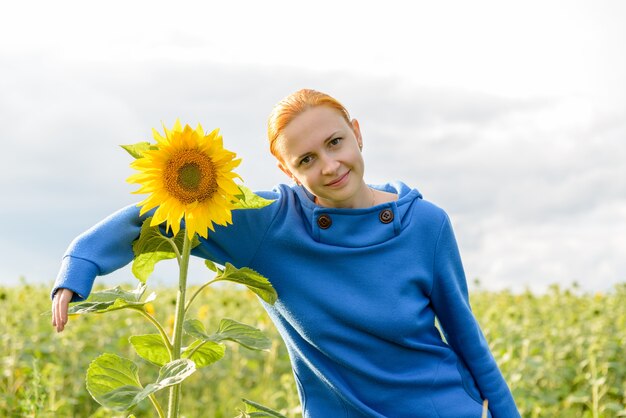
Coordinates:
<point>293,105</point>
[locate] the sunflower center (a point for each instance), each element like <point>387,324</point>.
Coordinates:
<point>189,176</point>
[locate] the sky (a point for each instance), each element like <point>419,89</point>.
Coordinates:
<point>509,115</point>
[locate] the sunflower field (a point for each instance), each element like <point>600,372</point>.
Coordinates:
<point>563,353</point>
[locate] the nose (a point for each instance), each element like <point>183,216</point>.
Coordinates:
<point>329,166</point>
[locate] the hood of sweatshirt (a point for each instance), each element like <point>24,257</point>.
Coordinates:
<point>362,227</point>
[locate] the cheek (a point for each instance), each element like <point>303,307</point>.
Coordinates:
<point>359,163</point>
<point>356,156</point>
<point>303,177</point>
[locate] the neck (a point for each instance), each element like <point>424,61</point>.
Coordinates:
<point>365,198</point>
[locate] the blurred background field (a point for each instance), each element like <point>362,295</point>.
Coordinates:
<point>561,352</point>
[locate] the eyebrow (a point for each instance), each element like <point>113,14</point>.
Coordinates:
<point>331,136</point>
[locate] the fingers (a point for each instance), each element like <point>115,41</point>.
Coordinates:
<point>60,304</point>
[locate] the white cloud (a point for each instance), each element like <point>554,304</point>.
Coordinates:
<point>511,120</point>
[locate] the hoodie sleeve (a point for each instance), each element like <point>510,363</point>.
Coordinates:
<point>102,249</point>
<point>238,243</point>
<point>450,301</point>
<point>108,245</point>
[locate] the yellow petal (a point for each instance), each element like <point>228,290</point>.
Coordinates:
<point>171,205</point>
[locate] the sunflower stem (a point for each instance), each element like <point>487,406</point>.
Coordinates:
<point>174,400</point>
<point>175,248</point>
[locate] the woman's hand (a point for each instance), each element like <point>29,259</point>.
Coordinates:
<point>60,304</point>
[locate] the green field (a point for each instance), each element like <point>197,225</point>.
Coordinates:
<point>562,353</point>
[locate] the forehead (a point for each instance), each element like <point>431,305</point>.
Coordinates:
<point>313,125</point>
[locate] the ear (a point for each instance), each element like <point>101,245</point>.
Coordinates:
<point>357,132</point>
<point>287,172</point>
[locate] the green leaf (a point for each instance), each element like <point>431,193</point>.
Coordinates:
<point>204,353</point>
<point>151,347</point>
<point>211,265</point>
<point>254,409</point>
<point>137,150</point>
<point>253,280</point>
<point>152,246</point>
<point>113,381</point>
<point>230,330</point>
<point>249,200</point>
<point>195,328</point>
<point>246,335</point>
<point>111,300</point>
<point>110,295</point>
<point>171,374</point>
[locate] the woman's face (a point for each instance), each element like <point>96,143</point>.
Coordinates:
<point>321,151</point>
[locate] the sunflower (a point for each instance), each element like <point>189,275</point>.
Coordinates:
<point>187,174</point>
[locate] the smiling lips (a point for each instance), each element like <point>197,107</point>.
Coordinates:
<point>339,180</point>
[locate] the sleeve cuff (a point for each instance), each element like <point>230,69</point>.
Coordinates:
<point>77,275</point>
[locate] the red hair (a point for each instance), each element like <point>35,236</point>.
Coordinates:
<point>294,104</point>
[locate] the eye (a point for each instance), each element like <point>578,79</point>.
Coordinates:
<point>334,141</point>
<point>306,160</point>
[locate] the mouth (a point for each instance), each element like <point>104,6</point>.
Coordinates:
<point>339,180</point>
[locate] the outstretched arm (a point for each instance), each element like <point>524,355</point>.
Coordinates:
<point>107,246</point>
<point>102,249</point>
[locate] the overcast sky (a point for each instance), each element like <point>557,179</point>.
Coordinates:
<point>509,115</point>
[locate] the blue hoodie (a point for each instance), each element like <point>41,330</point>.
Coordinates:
<point>358,293</point>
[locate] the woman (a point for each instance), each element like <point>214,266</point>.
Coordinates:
<point>361,273</point>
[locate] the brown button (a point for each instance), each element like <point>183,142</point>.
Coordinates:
<point>324,221</point>
<point>386,216</point>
